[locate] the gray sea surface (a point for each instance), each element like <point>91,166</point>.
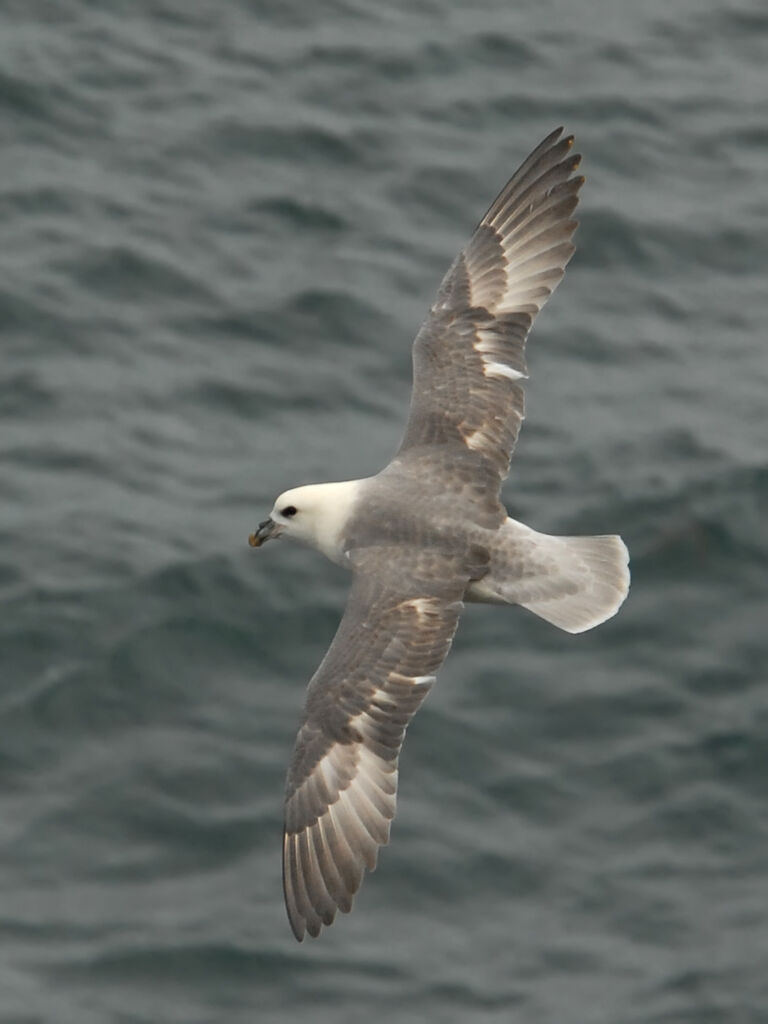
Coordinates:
<point>222,224</point>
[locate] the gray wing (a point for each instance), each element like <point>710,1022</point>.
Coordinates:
<point>469,356</point>
<point>342,782</point>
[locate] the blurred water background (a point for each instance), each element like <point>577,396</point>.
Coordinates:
<point>222,224</point>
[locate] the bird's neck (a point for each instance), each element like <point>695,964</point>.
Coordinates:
<point>334,508</point>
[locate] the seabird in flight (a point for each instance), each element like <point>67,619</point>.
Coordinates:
<point>428,533</point>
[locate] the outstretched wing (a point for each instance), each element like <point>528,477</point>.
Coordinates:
<point>342,782</point>
<point>469,356</point>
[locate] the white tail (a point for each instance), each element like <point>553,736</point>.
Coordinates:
<point>573,582</point>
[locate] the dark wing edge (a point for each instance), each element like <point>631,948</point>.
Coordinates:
<point>518,252</point>
<point>342,782</point>
<point>469,356</point>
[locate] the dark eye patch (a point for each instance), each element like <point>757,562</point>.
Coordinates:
<point>288,511</point>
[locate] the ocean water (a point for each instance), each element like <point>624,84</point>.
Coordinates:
<point>222,224</point>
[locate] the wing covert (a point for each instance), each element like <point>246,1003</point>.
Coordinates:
<point>469,355</point>
<point>342,783</point>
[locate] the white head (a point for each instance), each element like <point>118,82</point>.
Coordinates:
<point>314,514</point>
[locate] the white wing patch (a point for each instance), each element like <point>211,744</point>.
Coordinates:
<point>425,607</point>
<point>494,369</point>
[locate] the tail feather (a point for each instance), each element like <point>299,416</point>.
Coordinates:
<point>573,582</point>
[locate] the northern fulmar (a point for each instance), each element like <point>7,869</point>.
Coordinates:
<point>428,533</point>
